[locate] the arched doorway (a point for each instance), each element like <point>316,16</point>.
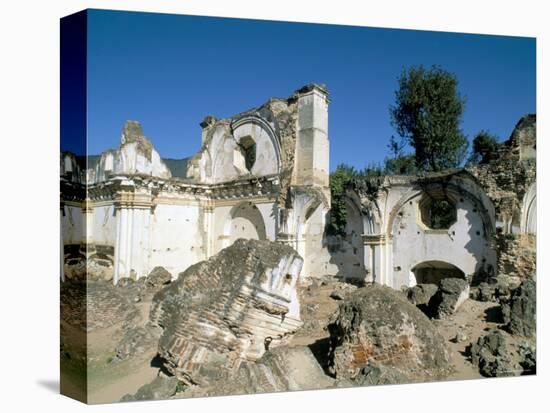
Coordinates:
<point>432,272</point>
<point>246,222</point>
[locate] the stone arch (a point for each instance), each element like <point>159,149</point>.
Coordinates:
<point>355,228</point>
<point>244,221</point>
<point>433,271</point>
<point>529,211</point>
<point>370,214</point>
<point>454,192</point>
<point>268,148</point>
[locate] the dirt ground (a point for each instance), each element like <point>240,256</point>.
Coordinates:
<point>472,320</point>
<point>109,379</point>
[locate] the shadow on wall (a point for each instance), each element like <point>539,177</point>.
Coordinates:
<point>485,240</point>
<point>347,251</point>
<point>246,222</point>
<point>432,272</point>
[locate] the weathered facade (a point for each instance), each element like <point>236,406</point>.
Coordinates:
<point>264,174</point>
<point>486,220</point>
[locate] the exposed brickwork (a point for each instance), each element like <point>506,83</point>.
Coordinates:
<point>517,255</point>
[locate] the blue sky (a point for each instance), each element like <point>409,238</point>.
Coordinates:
<point>169,71</point>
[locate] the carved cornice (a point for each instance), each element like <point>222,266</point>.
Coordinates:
<point>376,239</point>
<point>133,200</point>
<point>146,188</point>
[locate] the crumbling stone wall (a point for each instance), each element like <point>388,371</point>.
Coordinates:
<point>133,202</point>
<point>517,255</point>
<point>507,178</point>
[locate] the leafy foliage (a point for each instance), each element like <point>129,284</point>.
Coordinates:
<point>339,179</point>
<point>438,213</point>
<point>399,163</point>
<point>483,146</point>
<point>427,113</point>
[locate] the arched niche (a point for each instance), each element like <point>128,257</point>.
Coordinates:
<point>432,272</point>
<point>455,192</point>
<point>254,132</point>
<point>244,221</point>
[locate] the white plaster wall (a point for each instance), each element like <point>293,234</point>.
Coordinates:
<point>104,225</point>
<point>219,238</point>
<point>72,225</point>
<point>270,214</point>
<point>267,160</point>
<point>221,150</point>
<point>221,156</point>
<point>318,261</point>
<point>69,165</point>
<point>176,239</point>
<point>464,244</point>
<point>348,251</point>
<point>244,220</point>
<point>128,160</point>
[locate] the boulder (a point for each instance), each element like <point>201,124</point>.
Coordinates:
<point>281,369</point>
<point>378,324</point>
<point>162,387</point>
<point>337,295</point>
<point>136,341</point>
<point>519,311</point>
<point>374,374</point>
<point>421,294</point>
<point>450,296</point>
<point>158,278</point>
<point>497,288</point>
<point>528,354</point>
<point>125,282</point>
<point>228,309</point>
<point>484,292</point>
<point>492,356</point>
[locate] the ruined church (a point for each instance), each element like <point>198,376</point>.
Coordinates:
<point>264,174</point>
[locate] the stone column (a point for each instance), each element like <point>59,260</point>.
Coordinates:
<point>208,221</point>
<point>132,246</point>
<point>120,244</point>
<point>376,257</point>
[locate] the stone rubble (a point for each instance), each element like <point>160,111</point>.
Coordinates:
<point>519,311</point>
<point>228,309</point>
<point>377,323</point>
<point>450,296</point>
<point>492,356</point>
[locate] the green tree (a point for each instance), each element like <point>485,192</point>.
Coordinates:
<point>427,113</point>
<point>338,181</point>
<point>399,163</point>
<point>483,146</point>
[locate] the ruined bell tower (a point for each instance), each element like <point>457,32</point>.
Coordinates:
<point>312,145</point>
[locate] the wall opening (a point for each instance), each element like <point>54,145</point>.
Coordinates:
<point>437,212</point>
<point>432,272</point>
<point>246,222</point>
<point>244,156</point>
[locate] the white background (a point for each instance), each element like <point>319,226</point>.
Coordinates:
<point>29,158</point>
